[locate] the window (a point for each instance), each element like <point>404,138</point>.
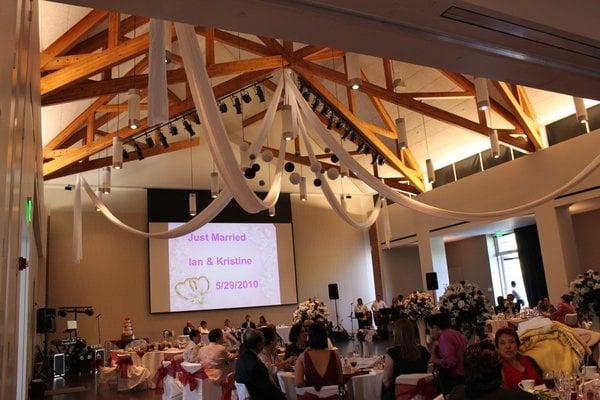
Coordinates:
<point>508,267</point>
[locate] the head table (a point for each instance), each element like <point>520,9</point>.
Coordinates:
<point>151,360</point>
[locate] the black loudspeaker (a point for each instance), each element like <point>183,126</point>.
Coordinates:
<point>46,320</point>
<point>333,291</point>
<point>431,278</point>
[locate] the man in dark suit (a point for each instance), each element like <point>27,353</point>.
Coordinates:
<point>250,371</point>
<point>188,328</point>
<point>248,324</point>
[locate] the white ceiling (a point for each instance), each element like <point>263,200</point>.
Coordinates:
<point>444,143</point>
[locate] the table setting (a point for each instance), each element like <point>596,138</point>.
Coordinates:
<point>583,384</point>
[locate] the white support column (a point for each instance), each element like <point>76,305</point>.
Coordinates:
<point>432,255</point>
<point>559,249</point>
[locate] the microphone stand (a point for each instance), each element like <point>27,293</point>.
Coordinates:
<point>351,321</point>
<point>98,319</point>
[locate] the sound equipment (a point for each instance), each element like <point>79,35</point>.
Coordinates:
<point>46,320</point>
<point>58,363</point>
<point>432,281</point>
<point>333,291</point>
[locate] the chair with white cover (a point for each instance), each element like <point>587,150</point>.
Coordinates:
<point>414,386</point>
<point>440,397</point>
<point>242,391</point>
<point>309,392</point>
<point>172,387</point>
<point>571,319</point>
<point>192,376</point>
<point>130,376</point>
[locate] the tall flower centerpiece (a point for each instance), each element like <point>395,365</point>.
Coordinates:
<point>586,294</point>
<point>467,307</point>
<point>417,306</point>
<point>313,309</point>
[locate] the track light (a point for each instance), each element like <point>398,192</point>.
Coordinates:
<point>125,154</point>
<point>380,160</point>
<point>401,130</point>
<point>344,171</point>
<point>373,158</point>
<point>494,144</point>
<point>272,211</point>
<point>325,110</point>
<point>306,95</point>
<point>303,189</point>
<point>195,118</point>
<point>188,127</point>
<point>580,110</point>
<point>353,70</point>
<point>192,204</point>
<point>399,84</point>
<point>246,97</point>
<point>346,133</point>
<point>315,104</point>
<point>482,96</point>
<point>162,139</point>
<point>287,124</point>
<point>173,130</point>
<point>260,94</point>
<point>360,147</point>
<point>330,122</point>
<point>149,141</point>
<point>352,136</point>
<point>214,184</point>
<point>89,312</point>
<point>338,124</point>
<point>367,149</point>
<point>430,170</point>
<point>62,313</point>
<point>117,157</point>
<point>105,178</point>
<point>237,105</point>
<point>133,106</point>
<point>138,152</point>
<point>222,107</point>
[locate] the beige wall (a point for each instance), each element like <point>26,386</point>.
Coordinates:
<point>401,271</point>
<point>587,229</point>
<point>113,276</point>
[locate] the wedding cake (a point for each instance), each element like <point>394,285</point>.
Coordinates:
<point>127,329</point>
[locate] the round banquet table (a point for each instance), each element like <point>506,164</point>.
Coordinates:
<point>360,387</point>
<point>151,360</point>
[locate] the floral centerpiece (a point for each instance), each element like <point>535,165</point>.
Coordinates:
<point>586,293</point>
<point>313,309</point>
<point>417,305</point>
<point>467,307</point>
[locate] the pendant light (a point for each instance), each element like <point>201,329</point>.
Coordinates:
<point>353,70</point>
<point>482,96</point>
<point>343,202</point>
<point>192,203</point>
<point>401,130</point>
<point>344,171</point>
<point>117,156</point>
<point>168,42</point>
<point>494,143</point>
<point>303,189</point>
<point>581,112</point>
<point>287,123</point>
<point>105,179</point>
<point>272,211</point>
<point>428,162</point>
<point>214,184</point>
<point>133,104</point>
<point>99,196</point>
<point>244,160</point>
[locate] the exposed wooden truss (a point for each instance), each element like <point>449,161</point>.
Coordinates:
<point>70,64</point>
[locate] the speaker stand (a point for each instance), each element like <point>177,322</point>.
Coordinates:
<point>337,318</point>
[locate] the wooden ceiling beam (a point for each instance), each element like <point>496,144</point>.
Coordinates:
<point>387,72</point>
<point>100,40</point>
<point>209,46</point>
<point>272,44</point>
<point>114,33</point>
<point>67,40</point>
<point>325,54</point>
<point>238,42</point>
<point>307,51</point>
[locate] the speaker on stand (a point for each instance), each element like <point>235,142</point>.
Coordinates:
<point>339,333</point>
<point>432,284</point>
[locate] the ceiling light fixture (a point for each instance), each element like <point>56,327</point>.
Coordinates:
<point>482,96</point>
<point>401,131</point>
<point>149,141</point>
<point>399,84</point>
<point>303,189</point>
<point>494,143</point>
<point>192,204</point>
<point>315,104</point>
<point>581,112</point>
<point>430,170</point>
<point>173,130</point>
<point>105,176</point>
<point>237,105</point>
<point>188,127</point>
<point>286,120</point>
<point>260,94</point>
<point>162,139</point>
<point>125,154</point>
<point>138,151</point>
<point>246,97</point>
<point>133,106</point>
<point>117,156</point>
<point>214,184</point>
<point>222,107</point>
<point>353,70</point>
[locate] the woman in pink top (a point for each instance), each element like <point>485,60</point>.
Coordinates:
<point>563,308</point>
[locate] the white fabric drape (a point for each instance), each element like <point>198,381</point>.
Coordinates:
<point>405,201</point>
<point>77,224</point>
<point>216,135</point>
<point>387,230</point>
<point>158,101</point>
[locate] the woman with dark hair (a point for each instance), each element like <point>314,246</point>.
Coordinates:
<point>515,367</point>
<point>406,357</point>
<point>563,308</point>
<point>318,366</point>
<point>262,321</point>
<point>483,377</point>
<point>298,338</point>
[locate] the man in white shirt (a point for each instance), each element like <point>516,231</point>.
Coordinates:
<point>377,305</point>
<point>190,353</point>
<point>204,328</point>
<point>361,312</point>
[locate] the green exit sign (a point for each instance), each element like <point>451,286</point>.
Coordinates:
<point>28,210</point>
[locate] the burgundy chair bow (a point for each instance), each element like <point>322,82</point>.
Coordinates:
<point>162,372</point>
<point>122,364</point>
<point>312,396</point>
<point>190,379</point>
<point>425,387</point>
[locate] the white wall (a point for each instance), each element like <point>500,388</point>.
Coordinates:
<point>587,230</point>
<point>113,276</point>
<point>401,271</point>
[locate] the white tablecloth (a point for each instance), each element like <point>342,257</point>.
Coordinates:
<point>360,387</point>
<point>284,332</point>
<point>150,360</point>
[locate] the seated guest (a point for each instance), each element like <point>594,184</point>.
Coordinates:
<point>447,355</point>
<point>262,321</point>
<point>214,357</point>
<point>250,371</point>
<point>227,326</point>
<point>483,377</point>
<point>298,338</point>
<point>563,308</point>
<point>515,367</point>
<point>188,328</point>
<point>501,307</point>
<point>406,357</point>
<point>395,303</point>
<point>318,366</point>
<point>248,323</point>
<point>544,306</point>
<point>511,306</point>
<point>203,328</point>
<point>190,353</point>
<point>268,355</point>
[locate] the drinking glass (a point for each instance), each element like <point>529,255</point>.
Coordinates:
<point>549,380</point>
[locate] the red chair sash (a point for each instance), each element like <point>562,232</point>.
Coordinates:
<point>191,380</point>
<point>161,373</point>
<point>424,387</point>
<point>123,364</point>
<point>312,396</point>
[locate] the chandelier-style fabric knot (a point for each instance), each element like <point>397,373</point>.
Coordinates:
<point>162,372</point>
<point>123,364</point>
<point>191,379</point>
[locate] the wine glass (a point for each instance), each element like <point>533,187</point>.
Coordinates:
<point>549,380</point>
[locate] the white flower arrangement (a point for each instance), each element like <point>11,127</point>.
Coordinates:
<point>467,307</point>
<point>586,293</point>
<point>313,309</point>
<point>418,305</point>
